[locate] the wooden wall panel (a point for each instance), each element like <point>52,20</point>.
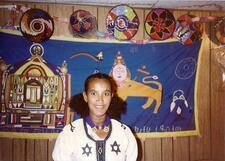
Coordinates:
<point>17,20</point>
<point>4,14</point>
<point>41,150</point>
<point>19,150</point>
<point>167,149</point>
<point>181,149</point>
<point>102,13</point>
<point>210,98</point>
<point>153,149</point>
<point>217,102</point>
<point>140,33</point>
<point>61,14</point>
<point>217,113</point>
<point>6,149</point>
<point>178,13</point>
<point>145,35</point>
<point>1,147</point>
<point>200,147</point>
<point>41,6</point>
<point>30,150</point>
<point>51,143</point>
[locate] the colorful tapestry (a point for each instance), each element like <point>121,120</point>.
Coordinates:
<point>156,83</point>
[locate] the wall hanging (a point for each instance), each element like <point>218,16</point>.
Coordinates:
<point>157,82</point>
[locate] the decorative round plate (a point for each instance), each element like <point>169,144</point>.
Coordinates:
<point>160,24</point>
<point>82,21</point>
<point>36,25</point>
<point>188,32</point>
<point>122,22</point>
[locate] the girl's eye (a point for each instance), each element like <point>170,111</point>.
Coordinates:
<point>107,93</point>
<point>93,93</point>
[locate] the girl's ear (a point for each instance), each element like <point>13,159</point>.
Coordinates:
<point>85,96</point>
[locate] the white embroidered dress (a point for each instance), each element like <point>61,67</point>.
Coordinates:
<point>79,143</point>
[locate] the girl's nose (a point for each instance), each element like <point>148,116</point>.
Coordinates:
<point>100,97</point>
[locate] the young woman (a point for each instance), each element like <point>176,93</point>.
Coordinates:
<point>96,137</point>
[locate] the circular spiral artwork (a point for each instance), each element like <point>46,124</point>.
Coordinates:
<point>36,25</point>
<point>122,22</point>
<point>160,24</point>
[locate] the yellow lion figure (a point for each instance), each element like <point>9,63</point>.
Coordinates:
<point>127,87</point>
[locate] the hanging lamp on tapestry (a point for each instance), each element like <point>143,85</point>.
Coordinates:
<point>122,22</point>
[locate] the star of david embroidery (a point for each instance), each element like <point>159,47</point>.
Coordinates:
<point>115,147</point>
<point>86,150</point>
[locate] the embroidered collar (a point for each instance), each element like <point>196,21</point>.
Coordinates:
<point>90,137</point>
<point>105,123</point>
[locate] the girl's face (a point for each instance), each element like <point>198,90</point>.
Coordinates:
<point>98,97</point>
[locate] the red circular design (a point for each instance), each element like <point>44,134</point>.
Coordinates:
<point>160,24</point>
<point>82,21</point>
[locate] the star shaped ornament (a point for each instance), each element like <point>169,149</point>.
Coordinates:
<point>115,147</point>
<point>86,150</point>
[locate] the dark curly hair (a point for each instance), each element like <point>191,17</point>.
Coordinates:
<point>116,108</point>
<point>98,76</point>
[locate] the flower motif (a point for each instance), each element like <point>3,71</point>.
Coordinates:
<point>160,23</point>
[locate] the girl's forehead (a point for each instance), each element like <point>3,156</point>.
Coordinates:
<point>99,82</point>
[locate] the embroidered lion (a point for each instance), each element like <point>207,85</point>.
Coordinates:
<point>127,87</point>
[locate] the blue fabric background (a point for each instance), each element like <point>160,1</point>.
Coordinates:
<point>160,59</point>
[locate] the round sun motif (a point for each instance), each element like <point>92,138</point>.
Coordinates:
<point>185,68</point>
